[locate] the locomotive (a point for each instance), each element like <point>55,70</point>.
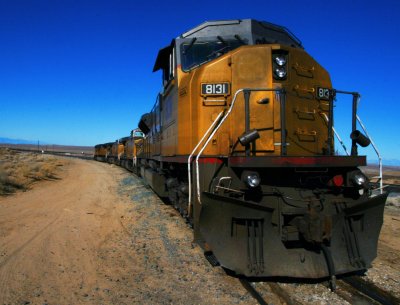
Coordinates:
<point>241,142</point>
<point>122,152</point>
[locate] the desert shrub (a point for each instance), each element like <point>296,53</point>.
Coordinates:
<point>9,184</point>
<point>18,171</point>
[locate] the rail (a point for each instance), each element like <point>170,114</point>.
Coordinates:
<point>356,99</point>
<point>253,291</point>
<point>190,160</point>
<point>355,119</point>
<point>246,91</point>
<point>281,97</point>
<point>336,134</point>
<point>68,154</point>
<point>380,177</point>
<point>369,290</point>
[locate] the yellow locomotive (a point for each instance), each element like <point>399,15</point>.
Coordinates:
<point>121,152</point>
<point>132,146</point>
<point>241,141</point>
<point>100,152</point>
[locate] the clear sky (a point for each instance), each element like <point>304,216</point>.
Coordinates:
<point>79,72</point>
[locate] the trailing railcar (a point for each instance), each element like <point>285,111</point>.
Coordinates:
<point>241,141</point>
<point>121,156</point>
<point>131,146</point>
<point>100,152</point>
<point>115,151</point>
<point>108,148</point>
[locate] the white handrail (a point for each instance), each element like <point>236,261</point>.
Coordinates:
<point>377,153</point>
<point>357,118</point>
<point>218,126</point>
<point>336,134</point>
<point>190,159</point>
<point>209,139</point>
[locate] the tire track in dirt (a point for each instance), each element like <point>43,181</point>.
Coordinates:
<point>14,253</point>
<point>50,235</point>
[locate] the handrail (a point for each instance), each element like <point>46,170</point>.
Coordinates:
<point>190,159</point>
<point>355,118</point>
<point>336,134</point>
<point>356,100</point>
<point>279,91</point>
<point>283,134</point>
<point>377,153</point>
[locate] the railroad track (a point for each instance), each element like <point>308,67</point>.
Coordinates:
<point>249,286</point>
<point>354,290</point>
<point>364,292</point>
<point>254,288</point>
<point>70,155</point>
<point>57,153</point>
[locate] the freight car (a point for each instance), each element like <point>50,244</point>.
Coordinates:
<point>241,141</point>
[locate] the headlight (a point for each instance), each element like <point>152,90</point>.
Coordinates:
<point>279,64</point>
<point>280,60</point>
<point>359,179</point>
<point>280,72</point>
<point>252,179</point>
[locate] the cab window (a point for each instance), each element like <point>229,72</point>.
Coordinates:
<point>196,52</point>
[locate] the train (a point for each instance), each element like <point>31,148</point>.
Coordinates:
<point>241,141</point>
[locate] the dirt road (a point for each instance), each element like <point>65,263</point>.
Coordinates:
<point>99,236</point>
<point>50,236</point>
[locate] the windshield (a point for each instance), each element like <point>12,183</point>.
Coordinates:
<point>195,52</point>
<point>138,134</point>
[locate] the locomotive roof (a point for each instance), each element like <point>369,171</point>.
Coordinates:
<point>124,139</point>
<point>103,145</point>
<point>253,30</point>
<point>248,31</point>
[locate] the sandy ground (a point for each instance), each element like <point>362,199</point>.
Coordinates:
<point>386,267</point>
<point>99,236</point>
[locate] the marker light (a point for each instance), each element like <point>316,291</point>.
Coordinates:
<point>338,180</point>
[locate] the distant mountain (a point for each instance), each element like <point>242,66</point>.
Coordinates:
<point>16,141</point>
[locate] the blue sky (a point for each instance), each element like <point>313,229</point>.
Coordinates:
<point>80,72</point>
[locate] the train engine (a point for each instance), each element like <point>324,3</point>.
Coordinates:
<point>131,148</point>
<point>100,152</point>
<point>241,141</point>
